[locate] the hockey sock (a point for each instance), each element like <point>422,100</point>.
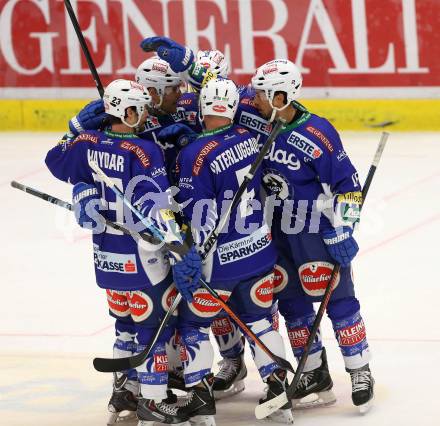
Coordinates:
<point>349,329</point>
<point>272,339</point>
<point>125,345</point>
<point>197,354</point>
<point>228,337</point>
<point>298,330</point>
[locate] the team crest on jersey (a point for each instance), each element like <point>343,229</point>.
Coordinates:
<point>280,279</point>
<point>262,292</point>
<point>204,305</point>
<point>141,305</point>
<point>118,303</point>
<point>203,153</point>
<point>315,276</point>
<point>276,184</point>
<point>168,298</point>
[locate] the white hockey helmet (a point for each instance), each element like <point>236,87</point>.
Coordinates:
<point>220,98</point>
<point>213,60</point>
<point>280,75</point>
<point>121,94</point>
<point>157,73</point>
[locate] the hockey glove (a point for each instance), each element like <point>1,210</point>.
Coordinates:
<point>340,244</point>
<point>187,274</point>
<point>86,205</point>
<point>91,117</point>
<point>179,57</point>
<point>177,134</point>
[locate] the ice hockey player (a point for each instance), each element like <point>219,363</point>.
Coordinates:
<point>307,166</point>
<point>136,276</point>
<point>240,268</point>
<point>312,175</point>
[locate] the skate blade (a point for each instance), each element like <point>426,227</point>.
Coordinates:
<point>232,390</point>
<point>122,418</point>
<point>364,408</point>
<point>202,421</point>
<point>314,400</point>
<point>281,416</point>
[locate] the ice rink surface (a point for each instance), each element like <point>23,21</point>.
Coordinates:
<point>54,318</point>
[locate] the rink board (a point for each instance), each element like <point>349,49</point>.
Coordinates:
<point>345,114</point>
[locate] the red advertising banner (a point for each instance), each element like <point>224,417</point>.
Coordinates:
<point>336,43</point>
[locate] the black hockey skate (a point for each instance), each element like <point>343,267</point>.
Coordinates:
<point>149,412</point>
<point>314,388</point>
<point>199,404</point>
<point>362,388</point>
<point>230,379</point>
<point>123,403</point>
<point>276,385</point>
<point>176,380</point>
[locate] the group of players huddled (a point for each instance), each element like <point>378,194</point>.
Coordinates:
<point>188,151</point>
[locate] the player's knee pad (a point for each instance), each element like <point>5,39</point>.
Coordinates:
<point>197,354</point>
<point>342,308</point>
<point>228,337</point>
<point>263,329</point>
<point>352,339</point>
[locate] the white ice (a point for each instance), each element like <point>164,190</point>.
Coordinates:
<point>54,318</point>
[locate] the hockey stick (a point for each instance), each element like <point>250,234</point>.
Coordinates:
<point>84,47</point>
<point>267,408</point>
<point>119,364</point>
<point>118,227</point>
<point>213,236</point>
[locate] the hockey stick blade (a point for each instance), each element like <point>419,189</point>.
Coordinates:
<point>110,365</point>
<point>266,408</point>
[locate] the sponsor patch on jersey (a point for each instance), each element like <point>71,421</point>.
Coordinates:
<point>138,151</point>
<point>314,131</point>
<point>152,123</point>
<point>186,182</point>
<point>141,305</point>
<point>160,363</point>
<point>298,337</point>
<point>280,278</point>
<point>185,101</point>
<point>221,326</point>
<point>85,137</point>
<point>281,156</point>
<point>158,171</point>
<point>315,276</point>
<point>262,292</point>
<point>114,262</point>
<point>118,303</point>
<point>168,298</point>
<point>304,144</point>
<point>204,305</point>
<point>350,197</point>
<point>247,101</point>
<point>242,248</point>
<point>191,117</point>
<point>241,131</point>
<point>200,159</point>
<point>351,335</point>
<point>341,155</point>
<point>255,122</point>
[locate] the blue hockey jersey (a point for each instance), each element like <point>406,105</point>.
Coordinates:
<point>121,263</point>
<point>210,171</point>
